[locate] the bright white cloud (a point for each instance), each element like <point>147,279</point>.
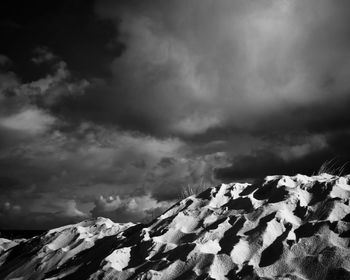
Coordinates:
<point>195,124</point>
<point>31,120</point>
<point>69,209</point>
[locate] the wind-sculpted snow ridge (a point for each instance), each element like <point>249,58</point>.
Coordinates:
<point>281,228</point>
<point>6,244</point>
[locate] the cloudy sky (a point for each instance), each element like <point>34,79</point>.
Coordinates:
<point>109,108</point>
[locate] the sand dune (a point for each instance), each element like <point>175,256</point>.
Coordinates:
<point>281,228</point>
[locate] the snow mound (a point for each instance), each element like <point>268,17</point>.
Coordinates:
<point>280,228</point>
<point>6,244</point>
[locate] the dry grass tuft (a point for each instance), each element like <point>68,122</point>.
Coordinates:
<point>332,167</point>
<point>193,189</point>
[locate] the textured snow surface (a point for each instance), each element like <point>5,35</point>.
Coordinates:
<point>280,228</point>
<point>6,244</point>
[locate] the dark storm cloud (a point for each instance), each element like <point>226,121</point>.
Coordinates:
<point>205,68</point>
<point>305,160</point>
<point>201,67</point>
<point>192,66</point>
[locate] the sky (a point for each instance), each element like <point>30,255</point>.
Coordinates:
<point>110,108</point>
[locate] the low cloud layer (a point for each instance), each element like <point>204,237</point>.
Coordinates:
<point>133,209</point>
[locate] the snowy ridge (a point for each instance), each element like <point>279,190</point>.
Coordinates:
<point>6,244</point>
<point>281,228</point>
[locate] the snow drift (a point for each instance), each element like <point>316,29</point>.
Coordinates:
<point>281,228</point>
<point>6,244</point>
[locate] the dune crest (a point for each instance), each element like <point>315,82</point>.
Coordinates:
<point>280,228</point>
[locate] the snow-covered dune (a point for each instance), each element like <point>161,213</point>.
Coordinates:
<point>280,228</point>
<point>6,244</point>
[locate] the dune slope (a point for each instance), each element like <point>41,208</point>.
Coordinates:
<point>280,228</point>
